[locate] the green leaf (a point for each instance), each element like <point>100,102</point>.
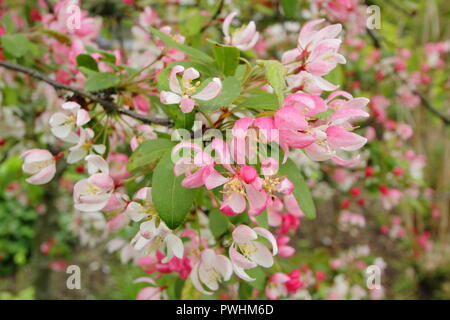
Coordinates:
<point>189,292</point>
<point>106,55</point>
<point>9,170</point>
<point>276,75</point>
<point>61,37</point>
<point>227,58</point>
<point>218,223</point>
<point>263,219</point>
<point>86,61</point>
<point>172,201</point>
<point>149,152</point>
<point>265,101</point>
<point>86,71</point>
<point>231,89</point>
<point>301,190</point>
<point>191,52</point>
<point>8,23</point>
<point>244,290</point>
<point>15,45</point>
<point>260,278</point>
<point>290,7</point>
<point>101,80</point>
<point>193,24</point>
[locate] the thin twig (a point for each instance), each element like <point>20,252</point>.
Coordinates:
<point>214,17</point>
<point>428,105</point>
<point>107,105</point>
<point>432,109</point>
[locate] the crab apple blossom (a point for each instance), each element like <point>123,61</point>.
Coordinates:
<point>143,132</point>
<point>246,253</point>
<point>243,38</point>
<point>64,124</point>
<point>315,56</point>
<point>92,194</point>
<point>41,164</point>
<point>210,271</point>
<point>183,92</point>
<point>199,171</point>
<point>148,293</point>
<point>151,238</point>
<point>196,145</point>
<point>276,287</point>
<point>84,146</point>
<point>142,205</point>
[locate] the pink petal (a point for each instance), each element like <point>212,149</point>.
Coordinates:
<point>211,90</point>
<point>44,176</point>
<point>174,84</point>
<point>239,260</point>
<point>226,25</point>
<point>190,74</point>
<point>241,273</point>
<point>289,117</point>
<point>256,199</point>
<point>269,236</point>
<point>262,256</point>
<point>243,233</point>
<point>168,97</point>
<point>213,179</point>
<point>187,105</point>
<point>341,138</point>
<point>233,204</point>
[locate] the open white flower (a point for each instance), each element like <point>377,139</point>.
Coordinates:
<point>142,205</point>
<point>63,125</point>
<point>151,238</point>
<point>211,270</point>
<point>184,92</point>
<point>246,253</point>
<point>243,38</point>
<point>41,164</point>
<point>84,145</point>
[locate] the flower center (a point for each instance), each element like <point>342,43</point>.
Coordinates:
<point>233,186</point>
<point>270,184</point>
<point>39,165</point>
<point>247,249</point>
<point>92,189</point>
<point>214,276</point>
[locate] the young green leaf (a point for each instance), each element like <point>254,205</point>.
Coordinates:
<point>172,201</point>
<point>301,190</point>
<point>262,219</point>
<point>231,89</point>
<point>191,52</point>
<point>218,223</point>
<point>100,81</point>
<point>227,58</point>
<point>16,45</point>
<point>86,61</point>
<point>276,75</point>
<point>149,152</point>
<point>265,101</point>
<point>290,7</point>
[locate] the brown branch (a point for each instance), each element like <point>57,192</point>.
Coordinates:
<point>375,40</point>
<point>107,105</point>
<point>428,105</point>
<point>49,6</point>
<point>431,108</point>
